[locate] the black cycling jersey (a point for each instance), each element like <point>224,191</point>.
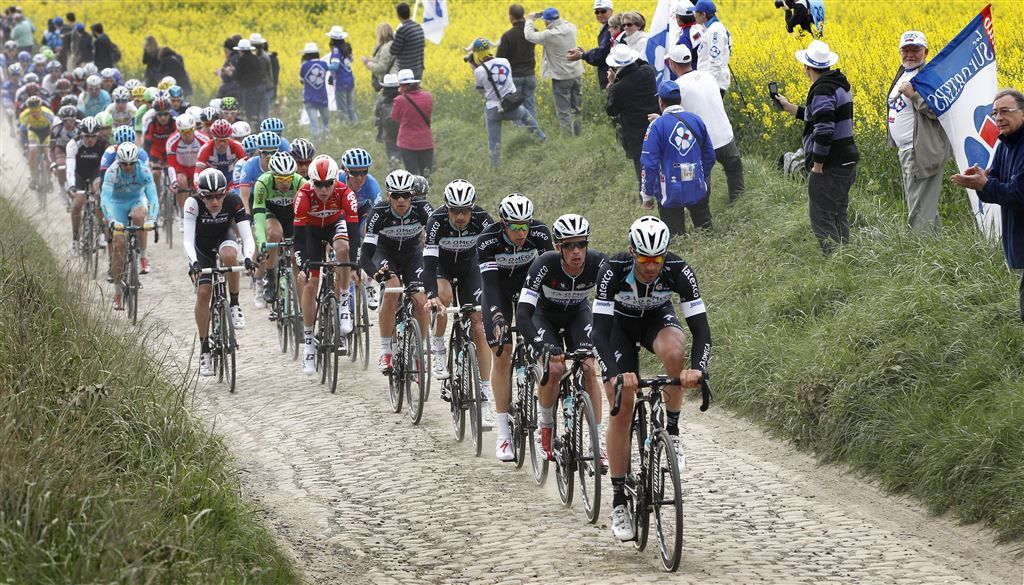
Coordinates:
<point>87,160</point>
<point>450,252</point>
<point>396,237</point>
<point>211,230</point>
<point>550,290</point>
<point>503,268</point>
<point>622,300</point>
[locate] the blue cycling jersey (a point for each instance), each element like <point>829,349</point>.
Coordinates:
<point>125,188</point>
<point>368,195</point>
<point>111,153</point>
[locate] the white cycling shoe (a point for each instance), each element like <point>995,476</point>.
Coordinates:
<point>486,414</point>
<point>503,449</point>
<point>205,364</point>
<point>237,318</point>
<point>309,360</point>
<point>345,319</point>
<point>622,524</point>
<point>440,360</point>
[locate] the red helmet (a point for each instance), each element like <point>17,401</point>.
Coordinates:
<point>63,85</point>
<point>221,129</point>
<point>162,104</point>
<point>323,168</point>
<point>31,88</point>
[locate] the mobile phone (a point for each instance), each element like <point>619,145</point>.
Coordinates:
<point>773,91</point>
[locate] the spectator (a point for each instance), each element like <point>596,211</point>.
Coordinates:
<point>412,109</point>
<point>151,59</point>
<point>344,80</point>
<point>250,73</point>
<point>689,35</point>
<point>1002,183</point>
<point>173,65</point>
<point>21,32</point>
<point>494,80</point>
<point>83,46</point>
<point>828,141</point>
<point>715,47</point>
<point>313,75</point>
<point>228,85</point>
<point>522,56</point>
<point>269,84</point>
<point>387,129</point>
<point>632,96</point>
<point>915,132</point>
<point>677,161</point>
<point>408,44</point>
<point>602,12</point>
<point>566,76</point>
<point>67,31</point>
<point>51,38</point>
<point>698,93</point>
<point>633,24</point>
<point>103,48</point>
<point>382,62</point>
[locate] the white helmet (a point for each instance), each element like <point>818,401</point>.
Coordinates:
<point>168,81</point>
<point>194,111</point>
<point>399,181</point>
<point>570,225</point>
<point>93,81</point>
<point>240,129</point>
<point>459,193</point>
<point>516,208</point>
<point>127,153</point>
<point>185,122</point>
<point>281,164</point>
<point>321,168</point>
<point>649,236</point>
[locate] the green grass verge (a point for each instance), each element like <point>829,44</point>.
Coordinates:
<point>105,476</point>
<point>899,355</point>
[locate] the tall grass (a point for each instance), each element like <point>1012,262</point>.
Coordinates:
<point>105,476</point>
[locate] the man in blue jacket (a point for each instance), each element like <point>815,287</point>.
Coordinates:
<point>677,158</point>
<point>1003,182</point>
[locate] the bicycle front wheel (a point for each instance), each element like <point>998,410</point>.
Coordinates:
<point>227,345</point>
<point>538,460</point>
<point>588,454</point>
<point>282,316</point>
<point>415,381</point>
<point>167,210</point>
<point>637,480</point>
<point>131,288</point>
<point>667,497</point>
<point>564,447</point>
<point>333,342</point>
<point>472,398</point>
<point>396,379</point>
<point>457,405</point>
<point>295,313</point>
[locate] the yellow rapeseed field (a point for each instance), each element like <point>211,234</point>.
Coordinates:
<point>864,33</point>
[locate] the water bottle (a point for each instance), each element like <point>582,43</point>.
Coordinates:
<point>520,376</point>
<point>647,445</point>
<point>567,409</point>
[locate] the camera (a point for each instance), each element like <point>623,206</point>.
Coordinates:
<point>469,59</point>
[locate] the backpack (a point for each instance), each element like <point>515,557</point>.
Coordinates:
<point>115,53</point>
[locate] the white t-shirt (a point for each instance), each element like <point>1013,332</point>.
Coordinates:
<point>901,114</point>
<point>698,91</point>
<point>501,73</point>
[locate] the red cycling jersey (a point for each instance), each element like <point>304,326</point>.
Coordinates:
<point>312,211</point>
<point>156,137</point>
<point>225,161</point>
<point>183,155</point>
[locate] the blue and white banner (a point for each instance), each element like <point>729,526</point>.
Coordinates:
<point>662,33</point>
<point>958,85</point>
<point>435,19</point>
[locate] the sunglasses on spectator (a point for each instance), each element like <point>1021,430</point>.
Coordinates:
<point>573,245</point>
<point>323,184</point>
<point>600,10</point>
<point>518,227</point>
<point>1003,111</point>
<point>214,196</point>
<point>649,259</point>
<point>401,195</point>
<point>358,173</point>
<point>629,24</point>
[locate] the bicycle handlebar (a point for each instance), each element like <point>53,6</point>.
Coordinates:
<point>660,382</point>
<point>464,310</point>
<point>222,269</point>
<point>272,245</point>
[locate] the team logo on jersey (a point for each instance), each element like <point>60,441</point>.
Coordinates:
<point>457,244</point>
<point>682,138</point>
<point>315,77</point>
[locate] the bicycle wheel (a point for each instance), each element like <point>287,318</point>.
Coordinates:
<point>564,446</point>
<point>454,389</point>
<point>364,327</point>
<point>538,460</point>
<point>333,342</point>
<point>353,336</point>
<point>227,345</point>
<point>216,340</point>
<point>168,211</point>
<point>282,318</point>
<point>588,456</point>
<point>518,419</point>
<point>321,334</point>
<point>87,239</point>
<point>636,478</point>
<point>415,383</point>
<point>295,319</point>
<point>667,498</point>
<point>396,378</point>
<point>472,398</point>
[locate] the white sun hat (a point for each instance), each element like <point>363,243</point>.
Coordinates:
<point>817,55</point>
<point>337,33</point>
<point>621,55</point>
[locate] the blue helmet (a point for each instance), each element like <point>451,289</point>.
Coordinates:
<point>267,140</point>
<point>356,158</point>
<point>124,134</point>
<point>24,56</point>
<point>175,91</point>
<point>272,125</point>
<point>250,143</point>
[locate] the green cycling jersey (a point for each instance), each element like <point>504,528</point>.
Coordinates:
<point>263,193</point>
<point>139,114</point>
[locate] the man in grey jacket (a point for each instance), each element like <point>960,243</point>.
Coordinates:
<point>915,131</point>
<point>566,76</point>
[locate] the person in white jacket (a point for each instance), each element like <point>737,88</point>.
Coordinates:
<point>566,76</point>
<point>715,48</point>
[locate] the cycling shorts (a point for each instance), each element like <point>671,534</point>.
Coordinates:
<point>38,135</point>
<point>122,209</point>
<point>285,215</point>
<point>82,183</point>
<point>322,236</point>
<point>206,255</point>
<point>628,331</point>
<point>409,268</point>
<point>503,302</point>
<point>465,281</point>
<point>567,329</point>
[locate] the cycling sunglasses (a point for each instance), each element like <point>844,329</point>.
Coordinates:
<point>214,196</point>
<point>401,195</point>
<point>649,259</point>
<point>358,173</point>
<point>283,177</point>
<point>323,184</point>
<point>268,152</point>
<point>574,245</point>
<point>518,227</point>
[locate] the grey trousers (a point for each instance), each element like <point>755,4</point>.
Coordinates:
<point>922,195</point>
<point>828,200</point>
<point>568,103</point>
<point>729,157</point>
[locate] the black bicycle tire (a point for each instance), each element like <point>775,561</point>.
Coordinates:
<point>356,312</point>
<point>334,337</point>
<point>588,468</point>
<point>641,509</point>
<point>365,311</point>
<point>538,462</point>
<point>564,452</point>
<point>396,378</point>
<point>519,418</point>
<point>168,210</point>
<point>295,318</point>
<point>471,387</point>
<point>321,333</point>
<point>215,340</point>
<point>132,288</point>
<point>280,318</point>
<point>228,344</point>
<point>415,372</point>
<point>663,444</point>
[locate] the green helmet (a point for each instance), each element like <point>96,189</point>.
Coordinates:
<point>229,103</point>
<point>150,94</point>
<point>105,120</point>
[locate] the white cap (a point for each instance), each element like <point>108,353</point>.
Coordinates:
<point>680,54</point>
<point>244,45</point>
<point>683,8</point>
<point>337,33</point>
<point>913,37</point>
<point>310,48</point>
<point>603,4</point>
<point>817,56</point>
<point>256,39</point>
<point>621,55</point>
<point>405,76</point>
<point>390,80</point>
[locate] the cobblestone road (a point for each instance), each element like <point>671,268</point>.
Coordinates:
<point>357,495</point>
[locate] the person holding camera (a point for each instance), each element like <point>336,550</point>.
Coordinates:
<point>501,99</point>
<point>832,154</point>
<point>566,76</point>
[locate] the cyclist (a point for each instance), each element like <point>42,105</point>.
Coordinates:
<point>63,131</point>
<point>276,126</point>
<point>450,265</point>
<point>106,123</point>
<point>249,145</point>
<point>229,109</point>
<point>94,99</point>
<point>83,155</point>
<point>221,151</point>
<point>127,194</point>
<point>35,121</point>
<point>62,95</point>
<point>109,79</point>
<point>325,214</point>
<point>356,163</point>
<point>210,216</point>
<point>554,309</point>
<point>177,96</point>
<point>207,117</point>
<point>268,144</point>
<point>634,305</point>
<point>505,251</point>
<point>420,187</point>
<point>142,114</point>
<point>122,110</point>
<point>303,152</point>
<point>158,131</point>
<point>393,253</point>
<point>120,136</point>
<point>273,212</point>
<point>53,75</point>
<point>182,153</point>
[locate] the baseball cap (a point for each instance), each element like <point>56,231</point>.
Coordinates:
<point>680,54</point>
<point>683,9</point>
<point>913,37</point>
<point>705,6</point>
<point>603,5</point>
<point>550,14</point>
<point>668,89</point>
